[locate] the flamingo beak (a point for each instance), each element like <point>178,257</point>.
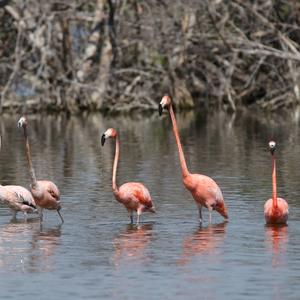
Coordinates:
<point>160,109</point>
<point>103,139</point>
<point>19,125</point>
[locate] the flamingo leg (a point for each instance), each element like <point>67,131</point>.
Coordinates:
<point>14,215</point>
<point>25,216</point>
<point>200,213</point>
<point>210,211</point>
<point>130,216</point>
<point>41,215</point>
<point>139,212</point>
<point>62,220</point>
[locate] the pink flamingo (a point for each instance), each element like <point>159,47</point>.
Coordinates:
<point>276,209</point>
<point>45,193</point>
<point>133,195</point>
<point>17,198</point>
<point>204,189</point>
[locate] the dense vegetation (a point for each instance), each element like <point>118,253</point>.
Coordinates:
<point>124,55</point>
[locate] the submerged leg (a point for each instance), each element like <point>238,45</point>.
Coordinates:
<point>25,216</point>
<point>14,215</point>
<point>58,211</point>
<point>130,212</point>
<point>200,213</point>
<point>40,214</point>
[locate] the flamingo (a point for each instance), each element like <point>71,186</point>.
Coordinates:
<point>133,195</point>
<point>45,193</point>
<point>276,209</point>
<point>17,198</point>
<point>204,189</point>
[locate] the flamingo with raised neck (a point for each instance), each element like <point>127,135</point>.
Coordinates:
<point>204,189</point>
<point>133,195</point>
<point>276,209</point>
<point>45,193</point>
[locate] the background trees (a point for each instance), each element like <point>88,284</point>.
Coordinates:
<point>123,55</point>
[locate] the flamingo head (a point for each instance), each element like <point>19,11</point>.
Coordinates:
<point>110,132</point>
<point>221,209</point>
<point>272,147</point>
<point>22,122</point>
<point>164,103</point>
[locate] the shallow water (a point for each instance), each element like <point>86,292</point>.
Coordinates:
<point>95,254</point>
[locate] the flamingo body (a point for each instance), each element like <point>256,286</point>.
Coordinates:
<point>135,196</point>
<point>46,194</point>
<point>276,215</point>
<point>17,199</point>
<point>206,192</point>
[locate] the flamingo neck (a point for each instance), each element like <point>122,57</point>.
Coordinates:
<point>115,166</point>
<point>184,168</point>
<point>274,185</point>
<point>28,155</point>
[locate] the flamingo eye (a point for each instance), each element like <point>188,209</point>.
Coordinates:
<point>272,145</point>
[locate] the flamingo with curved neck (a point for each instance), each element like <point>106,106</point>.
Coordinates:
<point>204,189</point>
<point>133,195</point>
<point>276,209</point>
<point>45,192</point>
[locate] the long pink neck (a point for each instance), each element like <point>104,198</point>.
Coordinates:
<point>274,186</point>
<point>114,176</point>
<point>184,168</point>
<point>27,149</point>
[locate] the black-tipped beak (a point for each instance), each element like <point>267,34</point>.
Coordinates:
<point>160,109</point>
<point>272,151</point>
<point>103,139</point>
<point>19,125</point>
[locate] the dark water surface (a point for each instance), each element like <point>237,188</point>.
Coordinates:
<point>95,254</point>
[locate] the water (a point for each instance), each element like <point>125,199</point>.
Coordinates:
<point>95,254</point>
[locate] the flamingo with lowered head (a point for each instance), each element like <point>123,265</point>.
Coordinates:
<point>17,198</point>
<point>204,189</point>
<point>133,195</point>
<point>45,193</point>
<point>276,209</point>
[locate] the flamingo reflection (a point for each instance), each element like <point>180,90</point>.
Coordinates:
<point>276,239</point>
<point>44,243</point>
<point>25,246</point>
<point>130,244</point>
<point>204,240</point>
